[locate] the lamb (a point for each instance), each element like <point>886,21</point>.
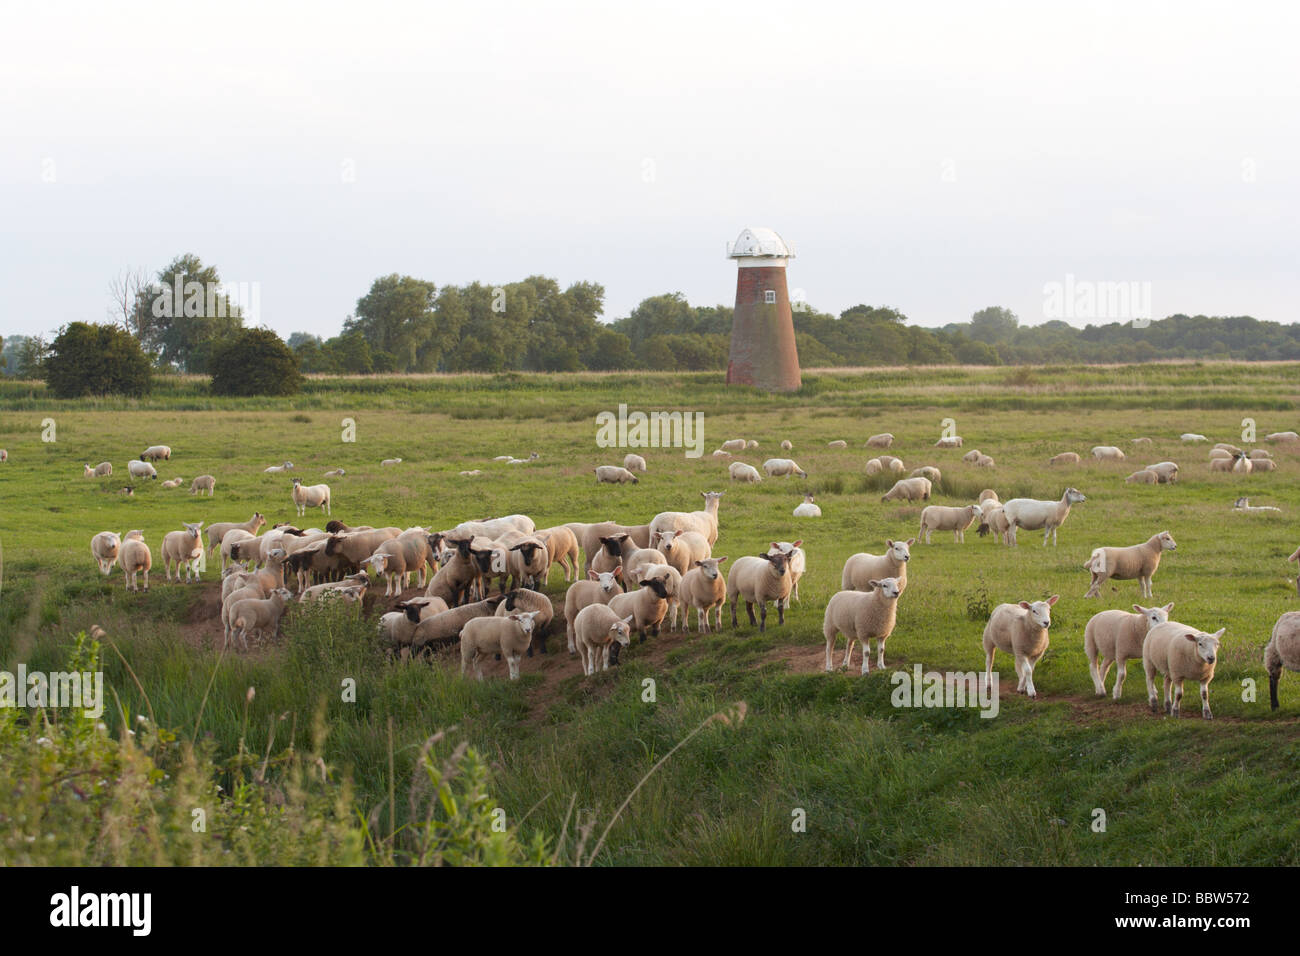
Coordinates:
<point>786,446</point>
<point>310,496</point>
<point>1244,505</point>
<point>1065,458</point>
<point>444,628</point>
<point>682,549</point>
<point>598,589</point>
<point>703,588</point>
<point>596,629</point>
<point>949,441</point>
<point>396,559</point>
<point>397,627</point>
<point>103,470</point>
<point>1282,437</point>
<point>390,462</point>
<point>985,461</point>
<point>356,582</point>
<point>507,635</point>
<point>1124,564</point>
<point>561,548</point>
<point>995,520</point>
<point>182,548</point>
<point>339,473</point>
<point>734,444</point>
<point>909,489</point>
<point>647,605</point>
<point>1032,514</point>
<point>1166,472</point>
<point>277,469</point>
<point>268,578</point>
<point>1282,651</point>
<point>971,456</point>
<point>704,522</point>
<point>250,589</point>
<point>861,616</point>
<point>1144,477</point>
<point>1262,464</point>
<point>1179,652</point>
<point>259,614</point>
<point>861,568</point>
<point>883,440</point>
<point>808,508</point>
<point>739,471</point>
<point>614,475</point>
<point>134,556</point>
<point>1107,453</point>
<point>141,469</point>
<point>156,452</point>
<point>1019,629</point>
<point>173,482</point>
<point>942,518</point>
<point>874,467</point>
<point>523,599</point>
<point>206,483</point>
<point>104,549</point>
<point>838,443</point>
<point>719,453</point>
<point>634,463</point>
<point>1115,637</point>
<point>928,471</point>
<point>216,532</point>
<point>757,580</point>
<point>1192,436</point>
<point>783,468</point>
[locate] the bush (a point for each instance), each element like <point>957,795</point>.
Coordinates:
<point>96,360</point>
<point>255,362</point>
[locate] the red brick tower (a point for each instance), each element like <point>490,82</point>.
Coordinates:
<point>763,352</point>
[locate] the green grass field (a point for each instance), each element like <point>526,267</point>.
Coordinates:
<point>871,783</point>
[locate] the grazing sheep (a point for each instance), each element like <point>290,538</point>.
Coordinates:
<point>310,496</point>
<point>874,467</point>
<point>1107,453</point>
<point>1282,651</point>
<point>739,471</point>
<point>634,463</point>
<point>1032,514</point>
<point>1222,464</point>
<point>277,469</point>
<point>258,614</point>
<point>442,629</point>
<point>509,636</point>
<point>1262,464</point>
<point>562,549</point>
<point>1144,477</point>
<point>1124,564</point>
<point>883,440</point>
<point>1229,448</point>
<point>733,444</point>
<point>1021,630</point>
<point>1282,437</point>
<point>985,461</point>
<point>102,470</point>
<point>1065,458</point>
<point>786,446</point>
<point>396,559</point>
<point>861,616</point>
<point>1115,637</point>
<point>390,462</point>
<point>783,468</point>
<point>141,469</point>
<point>596,629</point>
<point>1141,441</point>
<point>156,452</point>
<point>908,489</point>
<point>339,473</point>
<point>808,508</point>
<point>704,588</point>
<point>751,444</point>
<point>216,532</point>
<point>134,556</point>
<point>951,441</point>
<point>127,490</point>
<point>1166,472</point>
<point>648,605</point>
<point>838,443</point>
<point>1255,453</point>
<point>757,580</point>
<point>972,456</point>
<point>1244,505</point>
<point>495,527</point>
<point>173,483</point>
<point>1220,454</point>
<point>4,455</point>
<point>182,548</point>
<point>598,589</point>
<point>1178,653</point>
<point>1192,436</point>
<point>862,567</point>
<point>206,483</point>
<point>615,475</point>
<point>995,520</point>
<point>942,518</point>
<point>704,522</point>
<point>928,471</point>
<point>719,453</point>
<point>357,582</point>
<point>103,548</point>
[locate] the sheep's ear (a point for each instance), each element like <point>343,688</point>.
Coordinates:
<point>629,619</point>
<point>593,575</point>
<point>1219,633</point>
<point>889,543</point>
<point>872,585</point>
<point>911,541</point>
<point>697,564</point>
<point>618,571</point>
<point>1140,609</point>
<point>1168,607</point>
<point>1025,605</point>
<point>1053,599</point>
<point>1190,637</point>
<point>721,559</point>
<point>798,543</point>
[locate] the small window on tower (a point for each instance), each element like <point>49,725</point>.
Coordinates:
<point>769,297</point>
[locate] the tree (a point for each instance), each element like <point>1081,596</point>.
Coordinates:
<point>182,316</point>
<point>396,317</point>
<point>23,355</point>
<point>123,291</point>
<point>255,362</point>
<point>96,360</point>
<point>993,325</point>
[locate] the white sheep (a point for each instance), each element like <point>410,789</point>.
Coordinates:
<point>1217,454</point>
<point>1141,441</point>
<point>310,496</point>
<point>1282,651</point>
<point>134,556</point>
<point>883,440</point>
<point>1032,514</point>
<point>510,636</point>
<point>798,559</point>
<point>942,518</point>
<point>156,452</point>
<point>104,548</point>
<point>1115,637</point>
<point>1255,453</point>
<point>807,508</point>
<point>1242,465</point>
<point>562,549</point>
<point>1065,458</point>
<point>1192,436</point>
<point>704,588</point>
<point>757,580</point>
<point>183,549</point>
<point>704,521</point>
<point>1263,464</point>
<point>598,589</point>
<point>783,468</point>
<point>4,455</point>
<point>173,482</point>
<point>1166,471</point>
<point>141,469</point>
<point>985,461</point>
<point>647,604</point>
<point>681,549</point>
<point>202,483</point>
<point>733,444</point>
<point>909,489</point>
<point>719,453</point>
<point>751,444</point>
<point>971,456</point>
<point>390,462</point>
<point>838,443</point>
<point>874,467</point>
<point>861,616</point>
<point>1178,653</point>
<point>1107,453</point>
<point>928,471</point>
<point>596,629</point>
<point>786,446</point>
<point>1228,447</point>
<point>634,463</point>
<point>1144,476</point>
<point>102,470</point>
<point>949,441</point>
<point>1124,564</point>
<point>258,614</point>
<point>339,473</point>
<point>862,567</point>
<point>1282,437</point>
<point>615,475</point>
<point>739,471</point>
<point>1243,505</point>
<point>1021,630</point>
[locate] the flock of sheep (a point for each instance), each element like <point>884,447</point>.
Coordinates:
<point>482,580</point>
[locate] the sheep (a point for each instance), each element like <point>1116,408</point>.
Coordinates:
<point>357,582</point>
<point>615,475</point>
<point>277,537</point>
<point>523,599</point>
<point>390,462</point>
<point>104,549</point>
<point>156,452</point>
<point>250,589</point>
<point>1296,557</point>
<point>733,444</point>
<point>1282,437</point>
<point>786,446</point>
<point>681,549</point>
<point>757,580</point>
<point>1242,465</point>
<point>103,470</point>
<point>561,548</point>
<point>339,473</point>
<point>1019,629</point>
<point>783,468</point>
<point>598,589</point>
<point>908,489</point>
<point>216,532</point>
<point>719,453</point>
<point>1115,637</point>
<point>1221,454</point>
<point>1192,436</point>
<point>4,455</point>
<point>883,440</point>
<point>874,467</point>
<point>277,469</point>
<point>861,616</point>
<point>1244,505</point>
<point>703,588</point>
<point>1032,514</point>
<point>704,522</point>
<point>173,483</point>
<point>862,567</point>
<point>647,605</point>
<point>397,558</point>
<point>798,559</point>
<point>1229,448</point>
<point>1107,453</point>
<point>988,494</point>
<point>1282,651</point>
<point>985,461</point>
<point>470,474</point>
<point>751,444</point>
<point>739,471</point>
<point>634,463</point>
<point>444,628</point>
<point>268,578</point>
<point>941,518</point>
<point>995,520</point>
<point>1178,653</point>
<point>596,629</point>
<point>1124,564</point>
<point>1166,472</point>
<point>807,508</point>
<point>1141,441</point>
<point>891,463</point>
<point>1144,477</point>
<point>495,527</point>
<point>141,469</point>
<point>134,556</point>
<point>1258,453</point>
<point>949,441</point>
<point>526,558</point>
<point>1065,458</point>
<point>616,551</point>
<point>1262,464</point>
<point>838,443</point>
<point>206,483</point>
<point>484,635</point>
<point>310,496</point>
<point>182,548</point>
<point>397,627</point>
<point>127,490</point>
<point>971,456</point>
<point>259,614</point>
<point>1222,464</point>
<point>928,471</point>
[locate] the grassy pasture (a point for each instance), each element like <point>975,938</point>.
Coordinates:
<point>877,784</point>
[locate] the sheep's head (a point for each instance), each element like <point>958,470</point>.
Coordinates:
<point>1074,496</point>
<point>709,567</point>
<point>658,585</point>
<point>378,562</point>
<point>779,562</point>
<point>284,593</point>
<point>527,549</point>
<point>412,612</point>
<point>608,580</point>
<point>808,498</point>
<point>613,544</point>
<point>1207,645</point>
<point>193,528</point>
<point>1167,542</point>
<point>525,620</point>
<point>887,587</point>
<point>901,550</point>
<point>620,632</point>
<point>710,497</point>
<point>1154,615</point>
<point>1040,612</point>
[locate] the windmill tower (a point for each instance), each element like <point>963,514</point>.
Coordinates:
<point>763,352</point>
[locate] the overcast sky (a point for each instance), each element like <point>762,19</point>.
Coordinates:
<point>936,158</point>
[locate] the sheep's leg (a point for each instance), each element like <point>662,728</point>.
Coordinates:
<point>1272,689</point>
<point>762,608</point>
<point>1169,694</point>
<point>1029,679</point>
<point>848,651</point>
<point>719,624</point>
<point>1020,672</point>
<point>780,610</point>
<point>1098,674</point>
<point>749,607</point>
<point>1178,697</point>
<point>866,655</point>
<point>880,652</point>
<point>1205,700</point>
<point>989,650</point>
<point>830,634</point>
<point>146,579</point>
